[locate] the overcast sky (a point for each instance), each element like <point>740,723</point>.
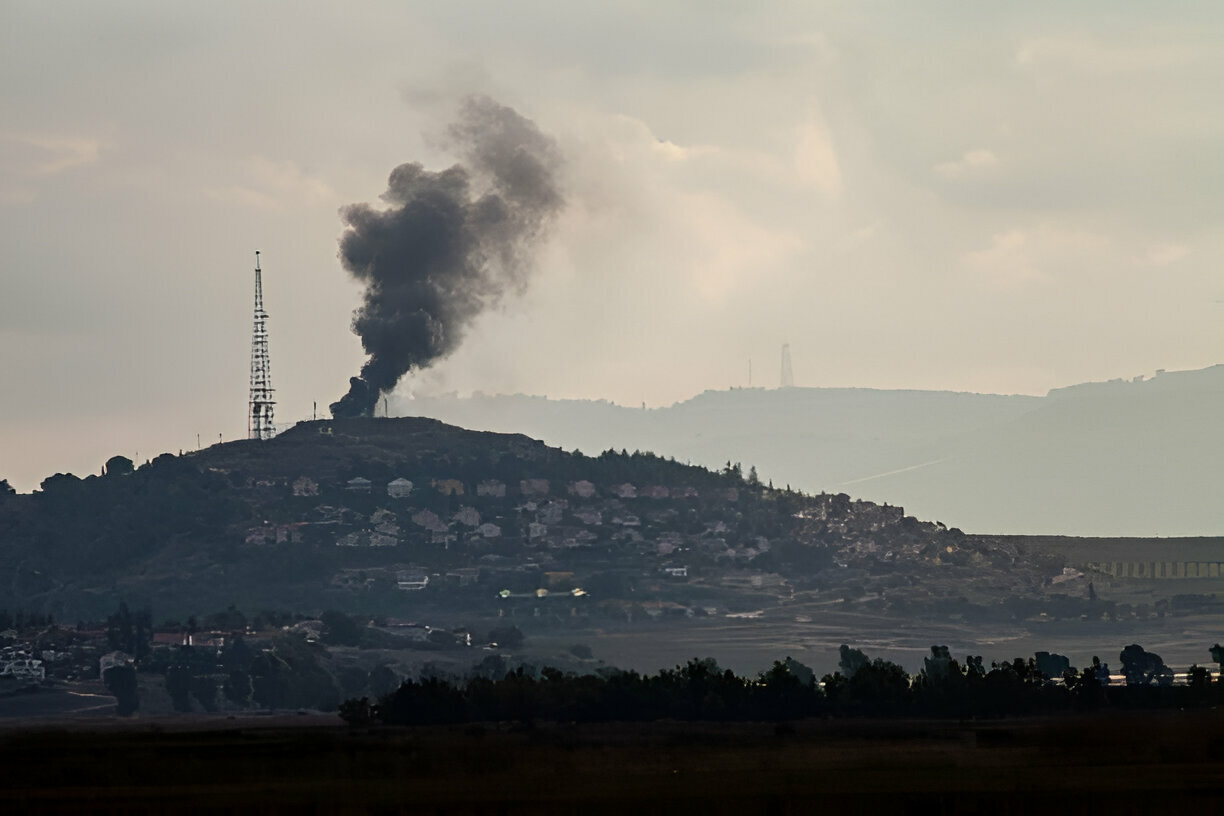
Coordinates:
<point>997,197</point>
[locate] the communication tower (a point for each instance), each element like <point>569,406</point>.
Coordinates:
<point>788,376</point>
<point>259,417</point>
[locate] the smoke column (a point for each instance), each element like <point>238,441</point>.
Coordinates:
<point>448,245</point>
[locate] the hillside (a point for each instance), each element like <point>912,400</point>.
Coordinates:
<point>397,516</point>
<point>1133,458</point>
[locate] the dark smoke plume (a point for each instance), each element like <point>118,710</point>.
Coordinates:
<point>448,246</point>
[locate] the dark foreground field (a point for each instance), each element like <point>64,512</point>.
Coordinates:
<point>1127,763</point>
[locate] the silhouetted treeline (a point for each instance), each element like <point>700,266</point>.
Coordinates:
<point>74,526</point>
<point>24,620</point>
<point>701,690</point>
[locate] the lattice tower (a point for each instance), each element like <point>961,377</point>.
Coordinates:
<point>788,376</point>
<point>259,418</point>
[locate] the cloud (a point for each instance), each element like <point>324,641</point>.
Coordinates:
<point>1020,258</point>
<point>725,249</point>
<point>816,156</point>
<point>274,186</point>
<point>674,201</point>
<point>1165,254</point>
<point>973,161</point>
<point>674,152</point>
<point>34,155</point>
<point>27,159</point>
<point>1091,56</point>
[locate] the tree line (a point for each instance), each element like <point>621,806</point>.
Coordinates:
<point>701,690</point>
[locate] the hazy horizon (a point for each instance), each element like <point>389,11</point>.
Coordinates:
<point>400,404</point>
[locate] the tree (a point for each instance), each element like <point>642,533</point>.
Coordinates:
<point>880,684</point>
<point>270,679</point>
<point>1143,668</point>
<point>237,687</point>
<point>1052,665</point>
<point>1198,678</point>
<point>204,689</point>
<point>59,483</point>
<point>340,629</point>
<point>178,685</point>
<point>120,680</point>
<point>118,466</point>
<point>851,661</point>
<point>237,654</point>
<point>229,620</point>
<point>938,667</point>
<point>6,490</point>
<point>805,674</point>
<point>384,680</point>
<point>130,632</point>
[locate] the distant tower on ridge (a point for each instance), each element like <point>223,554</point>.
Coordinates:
<point>259,417</point>
<point>788,376</point>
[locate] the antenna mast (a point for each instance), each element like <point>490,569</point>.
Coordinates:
<point>259,417</point>
<point>788,376</point>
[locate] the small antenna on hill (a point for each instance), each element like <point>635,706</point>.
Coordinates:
<point>788,377</point>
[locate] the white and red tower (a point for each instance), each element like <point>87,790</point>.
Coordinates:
<point>259,416</point>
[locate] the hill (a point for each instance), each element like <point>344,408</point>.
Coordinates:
<point>1120,458</point>
<point>439,537</point>
<point>397,515</point>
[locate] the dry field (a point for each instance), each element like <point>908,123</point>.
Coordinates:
<point>1120,764</point>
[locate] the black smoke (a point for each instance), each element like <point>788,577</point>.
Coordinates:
<point>448,246</point>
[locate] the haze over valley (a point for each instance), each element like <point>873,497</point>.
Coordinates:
<point>1141,457</point>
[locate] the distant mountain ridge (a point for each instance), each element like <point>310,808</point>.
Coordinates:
<point>1140,457</point>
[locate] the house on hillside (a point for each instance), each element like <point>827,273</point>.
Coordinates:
<point>492,489</point>
<point>589,517</point>
<point>489,530</point>
<point>411,581</point>
<point>582,489</point>
<point>449,487</point>
<point>358,484</point>
<point>624,491</point>
<point>305,486</point>
<point>669,542</point>
<point>430,521</point>
<point>468,517</point>
<point>655,492</point>
<point>553,512</point>
<point>534,487</point>
<point>276,533</point>
<point>399,488</point>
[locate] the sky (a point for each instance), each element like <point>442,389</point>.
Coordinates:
<point>973,196</point>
